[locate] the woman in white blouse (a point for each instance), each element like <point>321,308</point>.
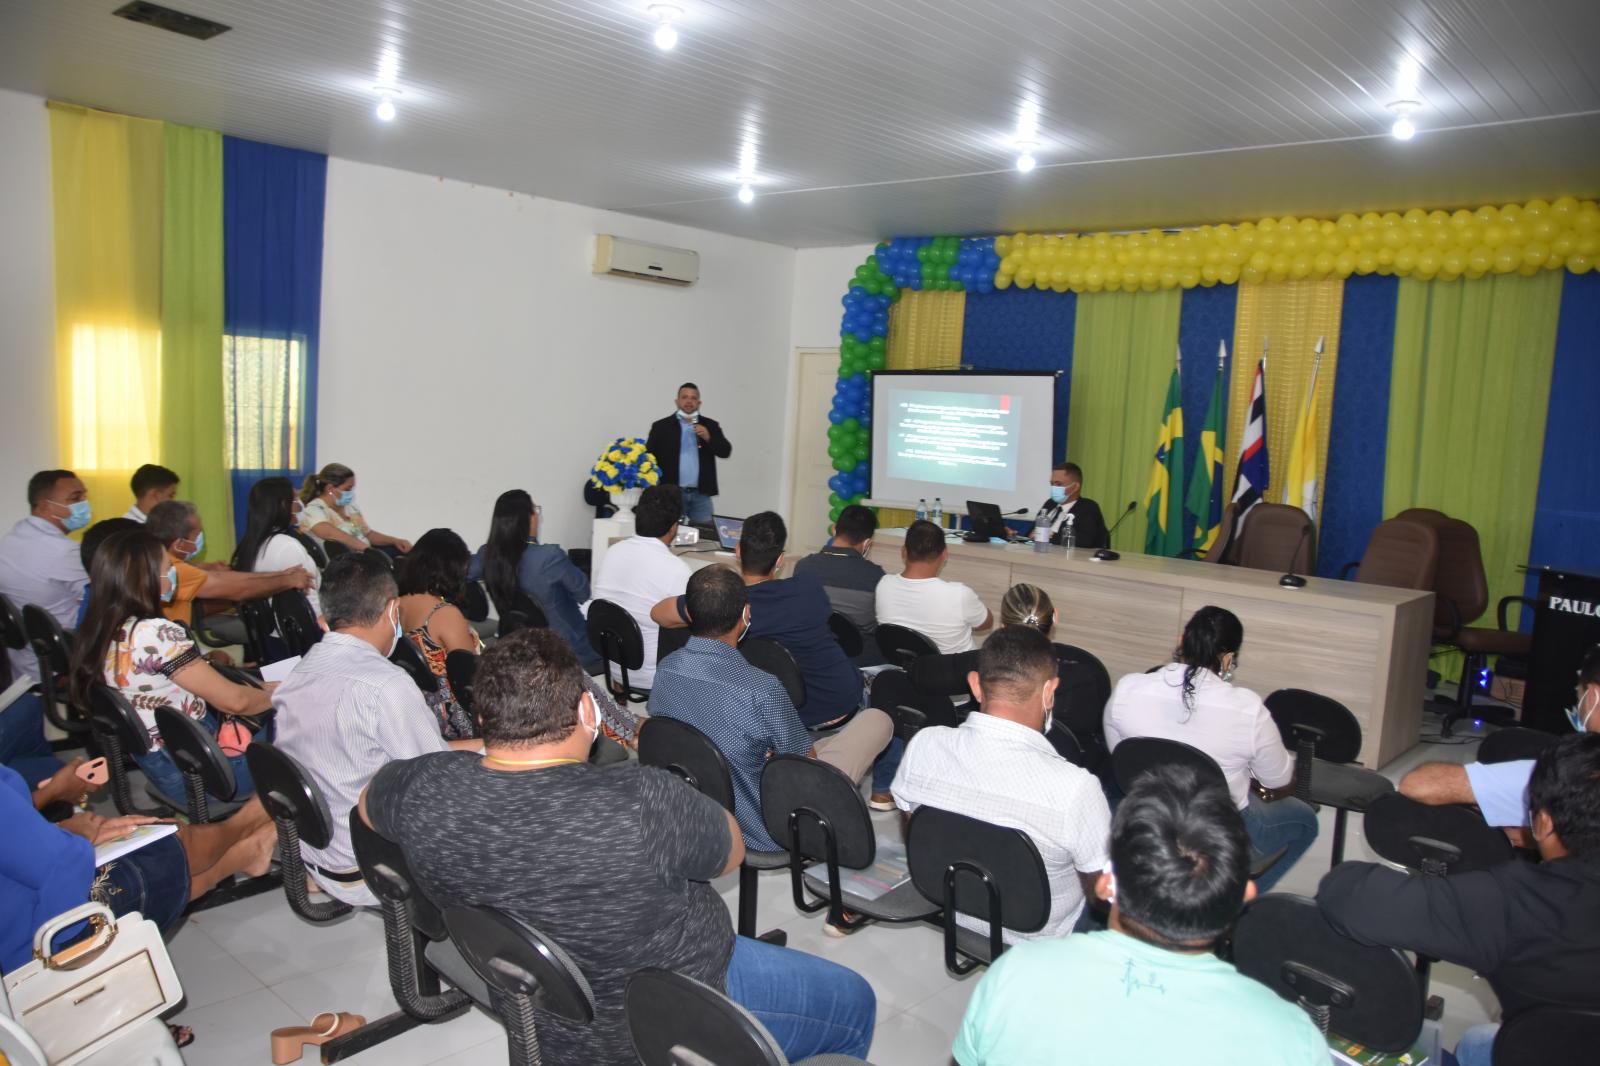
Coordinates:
<point>269,542</point>
<point>1194,701</point>
<point>331,513</point>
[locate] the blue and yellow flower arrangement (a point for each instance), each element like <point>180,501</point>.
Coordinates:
<point>625,464</point>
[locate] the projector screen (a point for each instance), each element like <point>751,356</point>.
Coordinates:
<point>962,436</point>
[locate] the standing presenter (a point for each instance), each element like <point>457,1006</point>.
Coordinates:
<point>687,447</point>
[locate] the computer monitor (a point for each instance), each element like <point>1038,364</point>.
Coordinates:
<point>728,530</point>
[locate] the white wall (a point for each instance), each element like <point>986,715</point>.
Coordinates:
<point>27,302</point>
<point>467,349</point>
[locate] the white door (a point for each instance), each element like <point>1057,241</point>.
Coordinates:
<point>818,369</point>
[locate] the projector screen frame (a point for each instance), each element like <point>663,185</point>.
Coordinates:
<point>955,372</point>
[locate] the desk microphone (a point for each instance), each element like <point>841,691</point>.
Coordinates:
<point>1106,555</point>
<point>1292,580</point>
<point>1013,514</point>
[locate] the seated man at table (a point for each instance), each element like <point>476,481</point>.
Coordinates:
<point>1531,929</point>
<point>844,570</point>
<point>946,612</point>
<point>1149,989</point>
<point>998,767</point>
<point>612,864</point>
<point>743,709</point>
<point>1088,524</point>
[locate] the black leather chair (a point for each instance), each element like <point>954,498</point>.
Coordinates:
<point>852,641</point>
<point>460,669</point>
<point>53,649</point>
<point>297,622</point>
<point>680,748</point>
<point>1514,743</point>
<point>677,1021</point>
<point>474,601</point>
<point>408,658</point>
<point>206,770</point>
<point>260,625</point>
<point>775,659</point>
<point>1545,1036</point>
<point>527,974</point>
<point>817,814</point>
<point>669,640</point>
<point>13,634</point>
<point>301,813</point>
<point>901,646</point>
<point>615,635</point>
<point>1365,993</point>
<point>313,548</point>
<point>122,736</point>
<point>1326,739</point>
<point>895,695</point>
<point>333,549</point>
<point>522,613</point>
<point>985,871</point>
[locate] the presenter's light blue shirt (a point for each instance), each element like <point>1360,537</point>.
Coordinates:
<point>1501,790</point>
<point>688,455</point>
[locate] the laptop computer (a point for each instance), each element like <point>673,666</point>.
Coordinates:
<point>728,530</point>
<point>986,522</point>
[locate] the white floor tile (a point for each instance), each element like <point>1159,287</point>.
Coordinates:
<point>235,1032</point>
<point>490,1054</point>
<point>275,944</point>
<point>903,963</point>
<point>907,1040</point>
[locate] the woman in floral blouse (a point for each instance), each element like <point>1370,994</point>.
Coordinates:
<point>330,512</point>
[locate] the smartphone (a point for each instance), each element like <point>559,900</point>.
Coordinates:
<point>94,772</point>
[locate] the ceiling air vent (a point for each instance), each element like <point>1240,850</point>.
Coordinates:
<point>164,18</point>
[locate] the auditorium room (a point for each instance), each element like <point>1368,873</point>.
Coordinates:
<point>738,533</point>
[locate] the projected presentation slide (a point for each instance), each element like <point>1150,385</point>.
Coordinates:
<point>960,439</point>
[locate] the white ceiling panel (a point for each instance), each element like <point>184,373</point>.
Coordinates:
<point>874,117</point>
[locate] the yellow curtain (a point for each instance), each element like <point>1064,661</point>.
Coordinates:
<point>924,334</point>
<point>1290,315</point>
<point>107,178</point>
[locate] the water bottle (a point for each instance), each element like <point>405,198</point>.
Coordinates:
<point>922,509</point>
<point>1069,539</point>
<point>937,515</point>
<point>1041,532</point>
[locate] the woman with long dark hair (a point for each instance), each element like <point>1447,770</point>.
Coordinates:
<point>1193,700</point>
<point>432,578</point>
<point>513,562</point>
<point>269,542</point>
<point>331,513</point>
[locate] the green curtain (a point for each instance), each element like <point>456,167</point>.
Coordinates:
<point>1121,364</point>
<point>1470,385</point>
<point>192,430</point>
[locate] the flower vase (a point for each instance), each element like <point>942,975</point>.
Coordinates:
<point>626,500</point>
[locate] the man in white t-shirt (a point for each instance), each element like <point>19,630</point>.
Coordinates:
<point>946,612</point>
<point>638,573</point>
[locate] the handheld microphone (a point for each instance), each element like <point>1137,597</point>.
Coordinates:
<point>1292,580</point>
<point>1106,555</point>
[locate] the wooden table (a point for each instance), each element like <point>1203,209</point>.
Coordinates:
<point>1363,645</point>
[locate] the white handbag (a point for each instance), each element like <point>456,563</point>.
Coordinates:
<point>78,1000</point>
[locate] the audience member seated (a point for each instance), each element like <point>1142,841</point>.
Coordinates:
<point>346,710</point>
<point>1531,929</point>
<point>518,829</point>
<point>176,524</point>
<point>331,514</point>
<point>743,709</point>
<point>1149,989</point>
<point>151,484</point>
<point>1192,700</point>
<point>844,570</point>
<point>1500,789</point>
<point>946,612</point>
<point>90,543</point>
<point>128,644</point>
<point>433,579</point>
<point>998,767</point>
<point>269,544</point>
<point>638,573</point>
<point>513,560</point>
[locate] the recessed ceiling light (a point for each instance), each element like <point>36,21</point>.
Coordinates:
<point>1025,160</point>
<point>1403,129</point>
<point>386,93</point>
<point>746,194</point>
<point>666,37</point>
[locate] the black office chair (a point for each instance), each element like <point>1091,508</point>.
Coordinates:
<point>313,548</point>
<point>333,549</point>
<point>522,613</point>
<point>775,659</point>
<point>408,658</point>
<point>461,669</point>
<point>852,641</point>
<point>297,622</point>
<point>531,980</point>
<point>260,625</point>
<point>301,814</point>
<point>669,640</point>
<point>985,871</point>
<point>122,736</point>
<point>1545,1036</point>
<point>677,1021</point>
<point>53,650</point>
<point>474,603</point>
<point>1514,743</point>
<point>379,553</point>
<point>13,634</point>
<point>942,689</point>
<point>901,646</point>
<point>894,694</point>
<point>1367,994</point>
<point>681,749</point>
<point>1327,740</point>
<point>206,770</point>
<point>616,636</point>
<point>817,814</point>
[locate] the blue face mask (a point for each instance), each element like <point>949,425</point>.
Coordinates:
<point>78,515</point>
<point>199,545</point>
<point>1578,716</point>
<point>1058,493</point>
<point>172,585</point>
<point>346,498</point>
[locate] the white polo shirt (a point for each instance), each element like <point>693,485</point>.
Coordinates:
<point>39,564</point>
<point>1228,723</point>
<point>636,574</point>
<point>137,515</point>
<point>1004,773</point>
<point>943,611</point>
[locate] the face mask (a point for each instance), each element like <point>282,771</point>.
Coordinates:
<point>746,631</point>
<point>78,515</point>
<point>594,730</point>
<point>1058,493</point>
<point>1580,717</point>
<point>346,498</point>
<point>1228,671</point>
<point>199,545</point>
<point>172,584</point>
<point>1049,719</point>
<point>398,633</point>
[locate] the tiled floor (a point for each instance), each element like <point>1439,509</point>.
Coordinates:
<point>251,966</point>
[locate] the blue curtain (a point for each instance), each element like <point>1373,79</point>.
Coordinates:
<point>1205,320</point>
<point>1358,438</point>
<point>1024,329</point>
<point>273,202</point>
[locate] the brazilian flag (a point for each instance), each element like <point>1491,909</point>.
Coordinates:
<point>1166,532</point>
<point>1204,501</point>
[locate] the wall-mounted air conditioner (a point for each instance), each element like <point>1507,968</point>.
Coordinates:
<point>653,262</point>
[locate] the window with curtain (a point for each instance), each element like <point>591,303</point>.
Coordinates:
<point>264,393</point>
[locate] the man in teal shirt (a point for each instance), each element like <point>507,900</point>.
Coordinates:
<point>1149,988</point>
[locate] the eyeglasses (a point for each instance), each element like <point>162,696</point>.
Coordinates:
<point>538,510</point>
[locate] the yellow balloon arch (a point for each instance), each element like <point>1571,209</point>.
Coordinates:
<point>1513,238</point>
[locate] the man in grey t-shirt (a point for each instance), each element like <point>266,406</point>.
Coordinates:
<point>612,864</point>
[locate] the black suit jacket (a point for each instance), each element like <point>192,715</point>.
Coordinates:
<point>664,440</point>
<point>1088,524</point>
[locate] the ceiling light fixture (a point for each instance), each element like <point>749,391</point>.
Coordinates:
<point>666,37</point>
<point>746,194</point>
<point>386,93</point>
<point>1403,129</point>
<point>1026,161</point>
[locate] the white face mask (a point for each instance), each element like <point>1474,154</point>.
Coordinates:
<point>593,730</point>
<point>399,633</point>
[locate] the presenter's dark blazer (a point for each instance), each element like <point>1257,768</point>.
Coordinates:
<point>1088,524</point>
<point>664,440</point>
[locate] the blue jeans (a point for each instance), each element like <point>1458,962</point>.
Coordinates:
<point>1288,821</point>
<point>884,768</point>
<point>1476,1045</point>
<point>22,744</point>
<point>809,1005</point>
<point>153,880</point>
<point>697,507</point>
<point>168,779</point>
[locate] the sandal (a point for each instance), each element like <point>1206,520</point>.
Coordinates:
<point>289,1043</point>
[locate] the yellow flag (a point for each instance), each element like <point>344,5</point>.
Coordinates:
<point>1300,485</point>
